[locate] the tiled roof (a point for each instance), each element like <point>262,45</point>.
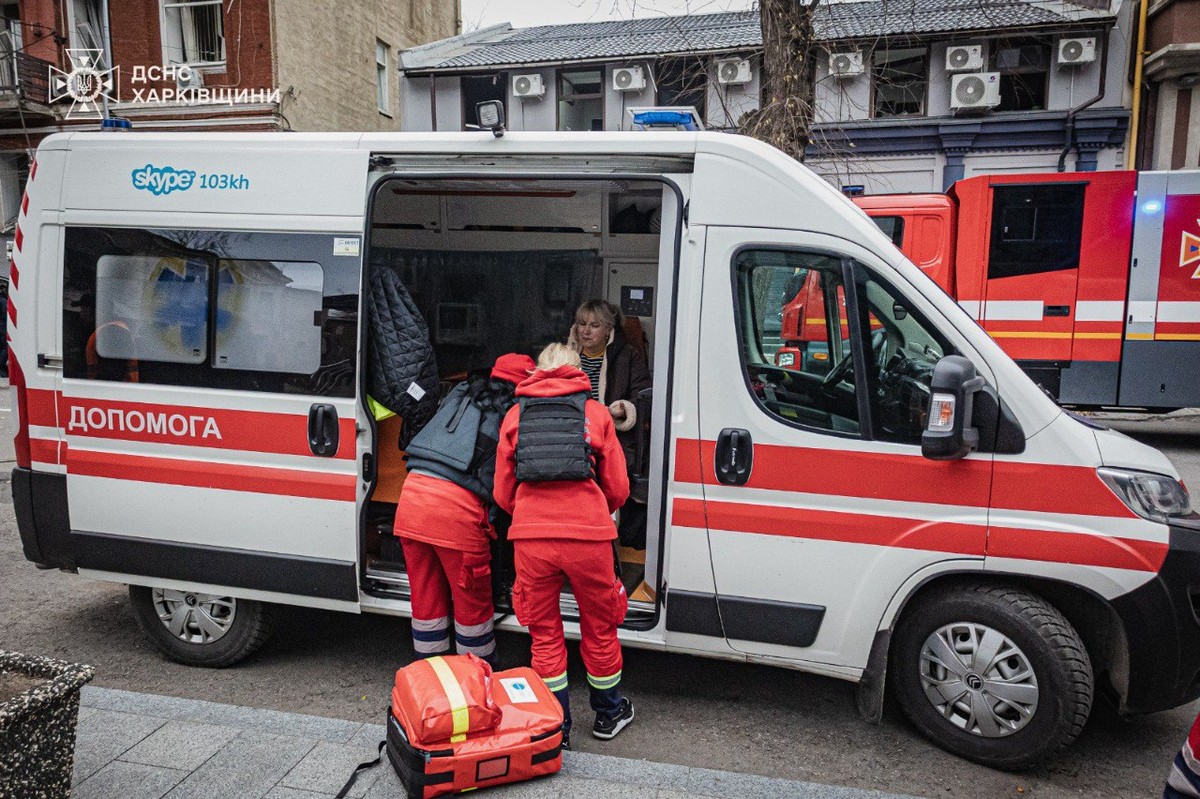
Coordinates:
<point>739,30</point>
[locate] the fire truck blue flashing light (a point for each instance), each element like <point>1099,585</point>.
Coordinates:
<point>1151,207</point>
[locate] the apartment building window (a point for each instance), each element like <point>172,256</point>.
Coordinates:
<point>581,99</point>
<point>683,81</point>
<point>1024,67</point>
<point>381,77</point>
<point>193,32</point>
<point>899,80</point>
<point>482,88</point>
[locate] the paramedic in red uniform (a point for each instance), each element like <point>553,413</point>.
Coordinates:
<point>563,529</point>
<point>443,516</point>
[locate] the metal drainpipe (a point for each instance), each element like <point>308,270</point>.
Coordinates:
<point>1070,126</point>
<point>1135,114</point>
<point>107,48</point>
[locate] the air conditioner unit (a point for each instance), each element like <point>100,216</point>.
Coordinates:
<point>732,71</point>
<point>846,65</point>
<point>529,86</point>
<point>189,79</point>
<point>1076,51</point>
<point>979,90</point>
<point>628,79</point>
<point>963,58</point>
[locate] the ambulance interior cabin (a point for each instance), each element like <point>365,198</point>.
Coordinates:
<point>498,266</point>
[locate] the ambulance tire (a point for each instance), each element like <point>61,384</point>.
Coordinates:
<point>1046,641</point>
<point>248,628</point>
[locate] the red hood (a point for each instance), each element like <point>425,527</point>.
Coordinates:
<point>557,382</point>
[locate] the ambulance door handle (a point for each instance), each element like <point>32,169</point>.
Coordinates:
<point>734,456</point>
<point>323,429</point>
<point>1057,310</point>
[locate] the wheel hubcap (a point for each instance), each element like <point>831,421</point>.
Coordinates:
<point>978,679</point>
<point>194,618</point>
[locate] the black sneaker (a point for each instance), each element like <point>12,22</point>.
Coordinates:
<point>566,742</point>
<point>606,728</point>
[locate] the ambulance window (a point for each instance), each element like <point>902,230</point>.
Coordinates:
<point>150,308</point>
<point>234,310</point>
<point>904,350</point>
<point>1035,229</point>
<point>269,316</point>
<point>788,302</point>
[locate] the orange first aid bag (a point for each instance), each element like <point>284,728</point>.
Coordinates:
<point>526,743</point>
<point>446,698</point>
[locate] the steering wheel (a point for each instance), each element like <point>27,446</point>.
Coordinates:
<point>838,373</point>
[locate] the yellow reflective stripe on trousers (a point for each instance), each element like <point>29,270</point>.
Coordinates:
<point>460,716</point>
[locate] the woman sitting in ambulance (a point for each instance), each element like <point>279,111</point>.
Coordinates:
<point>561,473</point>
<point>443,517</point>
<point>618,373</point>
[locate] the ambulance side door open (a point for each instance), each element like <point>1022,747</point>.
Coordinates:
<point>209,389</point>
<point>818,502</point>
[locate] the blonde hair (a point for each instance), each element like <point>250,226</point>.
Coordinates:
<point>556,355</point>
<point>605,312</point>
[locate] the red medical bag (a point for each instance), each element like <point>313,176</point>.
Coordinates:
<point>525,742</point>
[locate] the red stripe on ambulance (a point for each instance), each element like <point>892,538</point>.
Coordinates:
<point>1091,550</point>
<point>1039,487</point>
<point>206,474</point>
<point>822,525</point>
<point>43,450</point>
<point>220,428</point>
<point>931,536</point>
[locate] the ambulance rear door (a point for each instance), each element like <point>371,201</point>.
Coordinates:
<point>209,389</point>
<point>1162,331</point>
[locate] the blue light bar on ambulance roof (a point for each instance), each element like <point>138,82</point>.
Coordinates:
<point>666,118</point>
<point>115,123</point>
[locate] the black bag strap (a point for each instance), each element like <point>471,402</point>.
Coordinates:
<point>361,767</point>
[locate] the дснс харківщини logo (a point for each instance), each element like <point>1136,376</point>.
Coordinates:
<point>86,84</point>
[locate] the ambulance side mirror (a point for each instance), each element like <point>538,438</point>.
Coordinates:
<point>949,434</point>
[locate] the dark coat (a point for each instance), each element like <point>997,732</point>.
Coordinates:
<point>626,374</point>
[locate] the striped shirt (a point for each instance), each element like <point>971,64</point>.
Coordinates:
<point>591,367</point>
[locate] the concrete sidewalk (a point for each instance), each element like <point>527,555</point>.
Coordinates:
<point>139,746</point>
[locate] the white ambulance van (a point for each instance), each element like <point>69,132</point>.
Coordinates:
<point>190,344</point>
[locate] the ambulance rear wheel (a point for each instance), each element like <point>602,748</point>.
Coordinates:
<point>199,629</point>
<point>991,673</point>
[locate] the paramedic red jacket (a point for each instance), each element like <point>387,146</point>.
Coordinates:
<point>576,509</point>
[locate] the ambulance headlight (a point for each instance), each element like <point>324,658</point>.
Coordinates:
<point>1152,496</point>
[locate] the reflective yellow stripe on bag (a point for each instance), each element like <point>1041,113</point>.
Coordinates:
<point>460,716</point>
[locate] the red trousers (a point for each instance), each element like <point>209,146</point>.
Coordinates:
<point>542,564</point>
<point>440,577</point>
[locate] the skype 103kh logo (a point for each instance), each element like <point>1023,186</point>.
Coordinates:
<point>159,180</point>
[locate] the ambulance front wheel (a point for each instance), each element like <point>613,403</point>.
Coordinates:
<point>199,629</point>
<point>991,673</point>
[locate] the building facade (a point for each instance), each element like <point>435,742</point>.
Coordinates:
<point>1169,137</point>
<point>909,95</point>
<point>231,65</point>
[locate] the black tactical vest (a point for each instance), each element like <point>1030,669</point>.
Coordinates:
<point>551,443</point>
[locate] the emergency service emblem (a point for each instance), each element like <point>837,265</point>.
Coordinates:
<point>86,84</point>
<point>1189,250</point>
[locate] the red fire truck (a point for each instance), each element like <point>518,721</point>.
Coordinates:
<point>1089,280</point>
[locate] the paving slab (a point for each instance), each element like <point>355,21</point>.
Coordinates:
<point>120,780</point>
<point>248,766</point>
<point>104,735</point>
<point>274,722</point>
<point>327,766</point>
<point>182,745</point>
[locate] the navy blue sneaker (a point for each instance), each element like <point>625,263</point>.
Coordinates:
<point>607,727</point>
